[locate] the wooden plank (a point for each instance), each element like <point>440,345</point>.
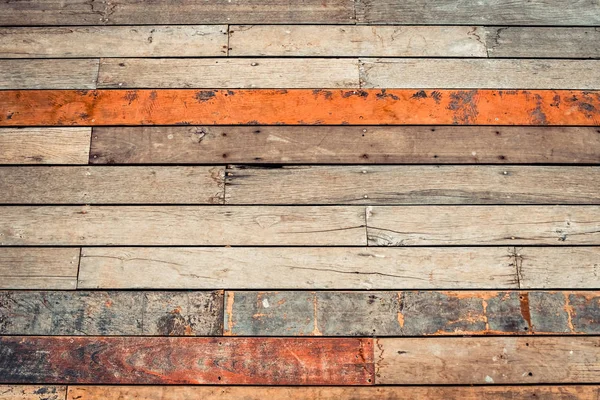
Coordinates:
<point>529,42</point>
<point>48,74</point>
<point>412,185</point>
<point>228,73</point>
<point>482,225</point>
<point>39,268</point>
<point>114,41</point>
<point>33,392</point>
<point>112,185</point>
<point>487,360</point>
<point>181,225</point>
<point>479,73</point>
<point>301,268</point>
<point>357,41</point>
<point>345,144</point>
<point>45,145</point>
<point>163,360</point>
<point>299,107</point>
<point>137,313</point>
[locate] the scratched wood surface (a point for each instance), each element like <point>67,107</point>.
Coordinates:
<point>49,74</point>
<point>33,392</point>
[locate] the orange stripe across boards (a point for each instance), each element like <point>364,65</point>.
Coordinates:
<point>299,107</point>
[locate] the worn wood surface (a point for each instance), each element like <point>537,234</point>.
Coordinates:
<point>162,360</point>
<point>112,185</point>
<point>487,360</point>
<point>345,144</point>
<point>48,74</point>
<point>299,107</point>
<point>45,145</point>
<point>412,185</point>
<point>33,392</point>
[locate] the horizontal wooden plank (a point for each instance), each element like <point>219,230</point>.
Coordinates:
<point>317,268</point>
<point>111,185</point>
<point>41,268</point>
<point>482,225</point>
<point>345,144</point>
<point>114,41</point>
<point>228,73</point>
<point>487,360</point>
<point>412,185</point>
<point>162,360</point>
<point>56,313</point>
<point>299,107</point>
<point>353,41</point>
<point>181,225</point>
<point>33,392</point>
<point>48,74</point>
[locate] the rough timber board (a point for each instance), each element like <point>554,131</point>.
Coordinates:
<point>48,74</point>
<point>33,392</point>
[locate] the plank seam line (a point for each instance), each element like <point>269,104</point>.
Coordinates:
<point>97,78</point>
<point>78,268</point>
<point>228,40</point>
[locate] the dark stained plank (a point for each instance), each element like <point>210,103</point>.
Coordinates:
<point>33,392</point>
<point>48,74</point>
<point>161,360</point>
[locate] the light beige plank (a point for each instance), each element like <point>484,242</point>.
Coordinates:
<point>48,74</point>
<point>483,225</point>
<point>33,392</point>
<point>111,185</point>
<point>228,73</point>
<point>45,145</point>
<point>354,41</point>
<point>477,74</point>
<point>114,41</point>
<point>39,268</point>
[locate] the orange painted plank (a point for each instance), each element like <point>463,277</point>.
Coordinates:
<point>299,107</point>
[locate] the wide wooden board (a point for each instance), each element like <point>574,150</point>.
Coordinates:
<point>49,74</point>
<point>33,392</point>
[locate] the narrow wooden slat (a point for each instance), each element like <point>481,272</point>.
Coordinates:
<point>41,268</point>
<point>412,185</point>
<point>48,74</point>
<point>483,225</point>
<point>111,185</point>
<point>299,107</point>
<point>345,144</point>
<point>33,392</point>
<point>111,313</point>
<point>44,145</point>
<point>181,225</point>
<point>354,41</point>
<point>487,360</point>
<point>161,360</point>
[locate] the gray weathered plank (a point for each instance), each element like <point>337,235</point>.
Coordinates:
<point>49,74</point>
<point>111,185</point>
<point>33,392</point>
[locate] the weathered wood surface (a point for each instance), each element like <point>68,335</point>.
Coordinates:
<point>345,144</point>
<point>39,268</point>
<point>354,41</point>
<point>162,360</point>
<point>182,225</point>
<point>55,313</point>
<point>487,360</point>
<point>482,225</point>
<point>112,185</point>
<point>319,268</point>
<point>33,392</point>
<point>228,73</point>
<point>45,145</point>
<point>412,185</point>
<point>48,74</point>
<point>299,107</point>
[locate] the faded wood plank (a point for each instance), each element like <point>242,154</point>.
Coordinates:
<point>48,74</point>
<point>33,392</point>
<point>482,225</point>
<point>412,185</point>
<point>45,145</point>
<point>111,185</point>
<point>41,268</point>
<point>162,360</point>
<point>345,144</point>
<point>486,360</point>
<point>181,225</point>
<point>357,41</point>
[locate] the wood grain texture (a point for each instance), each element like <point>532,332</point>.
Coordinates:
<point>55,313</point>
<point>304,268</point>
<point>48,74</point>
<point>45,145</point>
<point>162,360</point>
<point>487,360</point>
<point>482,225</point>
<point>33,392</point>
<point>355,41</point>
<point>345,144</point>
<point>39,268</point>
<point>412,185</point>
<point>112,185</point>
<point>181,225</point>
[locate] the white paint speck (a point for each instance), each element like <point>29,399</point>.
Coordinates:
<point>265,303</point>
<point>489,379</point>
